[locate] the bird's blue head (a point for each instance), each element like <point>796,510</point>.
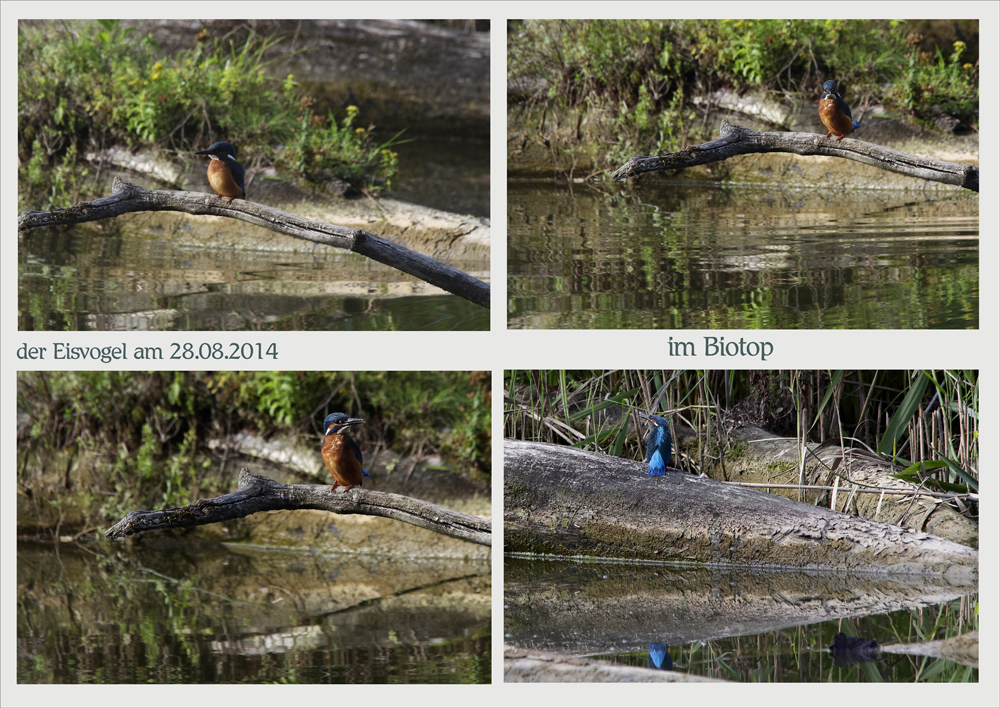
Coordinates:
<point>219,150</point>
<point>337,423</point>
<point>830,86</point>
<point>658,447</point>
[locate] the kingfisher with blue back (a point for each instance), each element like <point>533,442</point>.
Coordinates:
<point>225,174</point>
<point>659,658</point>
<point>835,113</point>
<point>341,454</point>
<point>657,444</point>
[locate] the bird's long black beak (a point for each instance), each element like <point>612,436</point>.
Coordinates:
<point>344,423</point>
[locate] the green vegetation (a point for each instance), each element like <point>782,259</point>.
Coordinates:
<point>926,422</point>
<point>148,430</point>
<point>639,76</point>
<point>87,86</point>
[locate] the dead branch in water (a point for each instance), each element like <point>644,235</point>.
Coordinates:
<point>126,198</point>
<point>737,140</point>
<point>255,493</point>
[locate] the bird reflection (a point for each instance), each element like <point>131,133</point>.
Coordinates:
<point>659,658</point>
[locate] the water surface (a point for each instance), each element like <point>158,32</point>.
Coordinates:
<point>81,279</point>
<point>738,624</point>
<point>696,255</point>
<point>162,612</point>
<point>450,174</point>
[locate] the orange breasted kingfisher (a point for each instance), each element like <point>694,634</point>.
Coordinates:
<point>225,174</point>
<point>341,454</point>
<point>835,113</point>
<point>657,445</point>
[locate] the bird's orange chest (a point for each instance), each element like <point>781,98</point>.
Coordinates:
<point>221,179</point>
<point>833,118</point>
<point>340,460</point>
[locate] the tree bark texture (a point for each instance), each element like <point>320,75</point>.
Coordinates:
<point>774,459</point>
<point>126,198</point>
<point>262,494</point>
<point>737,140</point>
<point>565,501</point>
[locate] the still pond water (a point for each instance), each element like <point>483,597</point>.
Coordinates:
<point>214,613</point>
<point>735,624</point>
<point>708,256</point>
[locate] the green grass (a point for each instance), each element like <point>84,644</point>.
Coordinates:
<point>927,422</point>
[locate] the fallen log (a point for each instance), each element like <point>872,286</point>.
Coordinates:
<point>736,140</point>
<point>849,478</point>
<point>565,501</point>
<point>255,493</point>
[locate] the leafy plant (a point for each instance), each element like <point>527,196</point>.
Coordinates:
<point>86,86</point>
<point>635,78</point>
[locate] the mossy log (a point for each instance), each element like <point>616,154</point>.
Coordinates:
<point>850,479</point>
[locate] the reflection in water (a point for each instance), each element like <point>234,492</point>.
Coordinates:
<point>659,658</point>
<point>738,624</point>
<point>853,650</point>
<point>705,256</point>
<point>87,281</point>
<point>211,613</point>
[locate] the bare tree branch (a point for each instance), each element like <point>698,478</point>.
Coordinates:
<point>737,140</point>
<point>126,198</point>
<point>257,493</point>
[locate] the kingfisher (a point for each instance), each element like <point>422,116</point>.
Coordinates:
<point>657,445</point>
<point>225,174</point>
<point>341,454</point>
<point>835,113</point>
<point>659,658</point>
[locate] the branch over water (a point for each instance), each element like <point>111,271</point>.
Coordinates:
<point>126,198</point>
<point>255,493</point>
<point>737,140</point>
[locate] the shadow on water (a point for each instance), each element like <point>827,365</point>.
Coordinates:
<point>212,613</point>
<point>694,255</point>
<point>447,174</point>
<point>736,624</point>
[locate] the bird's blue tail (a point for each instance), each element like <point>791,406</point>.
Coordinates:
<point>857,124</point>
<point>365,473</point>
